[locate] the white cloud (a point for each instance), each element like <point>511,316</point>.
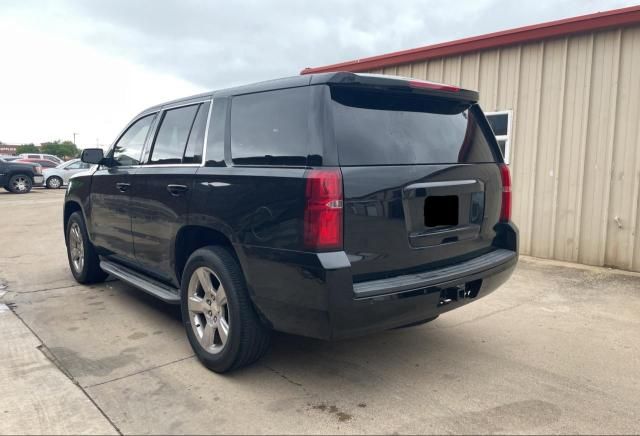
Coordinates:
<point>52,87</point>
<point>89,66</point>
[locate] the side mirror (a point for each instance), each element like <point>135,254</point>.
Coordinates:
<point>92,155</point>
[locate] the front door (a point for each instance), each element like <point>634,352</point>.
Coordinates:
<point>165,184</point>
<point>111,190</point>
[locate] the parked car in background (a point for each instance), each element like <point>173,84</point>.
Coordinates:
<point>45,163</point>
<point>328,206</point>
<point>57,177</point>
<point>40,156</point>
<point>19,177</point>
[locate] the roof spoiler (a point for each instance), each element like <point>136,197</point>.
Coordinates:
<point>397,83</point>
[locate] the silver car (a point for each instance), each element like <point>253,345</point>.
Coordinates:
<point>57,177</point>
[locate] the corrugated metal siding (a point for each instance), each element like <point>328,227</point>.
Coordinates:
<point>575,141</point>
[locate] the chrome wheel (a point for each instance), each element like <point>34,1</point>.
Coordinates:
<point>76,247</point>
<point>208,310</point>
<point>20,183</point>
<point>54,182</point>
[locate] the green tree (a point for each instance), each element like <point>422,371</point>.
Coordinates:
<point>27,148</point>
<point>62,149</point>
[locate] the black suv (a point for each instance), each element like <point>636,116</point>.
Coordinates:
<point>327,205</point>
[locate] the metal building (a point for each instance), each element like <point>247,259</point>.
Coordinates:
<point>565,103</point>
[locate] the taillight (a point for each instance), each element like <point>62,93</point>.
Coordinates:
<point>505,210</point>
<point>323,210</point>
<point>38,169</point>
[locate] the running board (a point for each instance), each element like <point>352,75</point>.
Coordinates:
<point>166,293</point>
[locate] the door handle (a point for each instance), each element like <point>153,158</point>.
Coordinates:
<point>177,190</point>
<point>123,187</point>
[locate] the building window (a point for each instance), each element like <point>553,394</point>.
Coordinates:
<point>501,124</point>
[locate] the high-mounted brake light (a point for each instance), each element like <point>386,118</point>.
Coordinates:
<point>323,210</point>
<point>505,210</point>
<point>433,85</point>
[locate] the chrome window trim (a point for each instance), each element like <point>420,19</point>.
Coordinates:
<point>166,165</point>
<point>161,113</point>
<point>183,104</point>
<point>158,113</point>
<point>206,135</point>
<point>123,131</point>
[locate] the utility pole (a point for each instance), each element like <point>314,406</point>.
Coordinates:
<point>74,138</point>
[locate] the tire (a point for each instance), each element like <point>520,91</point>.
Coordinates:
<point>20,184</point>
<point>54,182</point>
<point>247,338</point>
<point>83,260</point>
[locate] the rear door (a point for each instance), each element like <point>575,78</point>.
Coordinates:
<point>422,186</point>
<point>165,185</point>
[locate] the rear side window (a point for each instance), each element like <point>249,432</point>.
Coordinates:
<point>195,144</point>
<point>129,147</point>
<point>215,140</point>
<point>385,128</point>
<point>172,135</point>
<point>271,128</point>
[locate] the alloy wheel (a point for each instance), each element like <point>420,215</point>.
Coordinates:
<point>208,310</point>
<point>76,247</point>
<point>21,184</point>
<point>54,182</point>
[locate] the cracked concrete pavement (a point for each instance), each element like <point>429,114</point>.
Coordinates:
<point>553,351</point>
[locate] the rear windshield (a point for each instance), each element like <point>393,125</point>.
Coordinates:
<point>385,128</point>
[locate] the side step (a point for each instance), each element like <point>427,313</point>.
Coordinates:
<point>166,293</point>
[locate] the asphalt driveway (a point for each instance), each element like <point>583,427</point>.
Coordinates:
<point>555,350</point>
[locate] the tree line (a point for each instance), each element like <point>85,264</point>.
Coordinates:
<point>62,149</point>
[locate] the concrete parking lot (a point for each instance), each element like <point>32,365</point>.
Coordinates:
<point>555,350</point>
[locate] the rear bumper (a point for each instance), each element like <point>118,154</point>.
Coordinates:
<point>38,180</point>
<point>312,294</point>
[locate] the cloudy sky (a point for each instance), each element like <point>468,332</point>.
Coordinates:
<point>89,66</point>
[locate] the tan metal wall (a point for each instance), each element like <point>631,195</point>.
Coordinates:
<point>575,141</point>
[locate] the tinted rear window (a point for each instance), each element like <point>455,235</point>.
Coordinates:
<point>385,128</point>
<point>271,128</point>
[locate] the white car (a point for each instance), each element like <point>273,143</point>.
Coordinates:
<point>57,177</point>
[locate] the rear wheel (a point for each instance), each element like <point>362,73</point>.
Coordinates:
<point>83,260</point>
<point>54,182</point>
<point>20,184</point>
<point>221,323</point>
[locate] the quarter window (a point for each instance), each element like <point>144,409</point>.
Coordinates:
<point>501,124</point>
<point>172,135</point>
<point>271,128</point>
<point>129,147</point>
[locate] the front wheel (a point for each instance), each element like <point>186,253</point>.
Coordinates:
<point>221,323</point>
<point>20,184</point>
<point>83,260</point>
